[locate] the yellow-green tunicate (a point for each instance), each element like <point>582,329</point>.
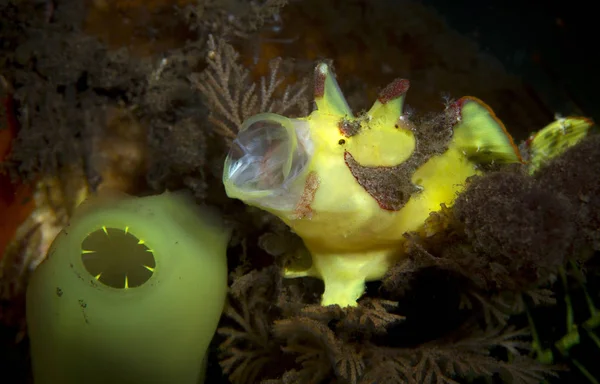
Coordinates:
<point>131,292</point>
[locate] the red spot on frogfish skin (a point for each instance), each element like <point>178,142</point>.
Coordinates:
<point>394,90</point>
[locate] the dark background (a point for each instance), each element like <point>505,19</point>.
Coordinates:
<point>551,44</point>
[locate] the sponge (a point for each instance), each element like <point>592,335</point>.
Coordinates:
<point>131,292</point>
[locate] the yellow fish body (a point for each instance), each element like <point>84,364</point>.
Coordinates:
<point>351,187</point>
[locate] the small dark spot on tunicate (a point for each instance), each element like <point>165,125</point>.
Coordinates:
<point>59,292</point>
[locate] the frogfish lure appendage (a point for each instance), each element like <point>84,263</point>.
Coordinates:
<point>352,186</point>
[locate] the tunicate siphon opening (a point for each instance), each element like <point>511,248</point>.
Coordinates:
<point>117,258</point>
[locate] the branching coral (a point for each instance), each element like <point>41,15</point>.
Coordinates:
<point>331,344</point>
<point>233,97</point>
<point>445,361</point>
<point>249,348</point>
<point>318,352</point>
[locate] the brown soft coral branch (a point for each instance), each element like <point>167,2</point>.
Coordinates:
<point>445,361</point>
<point>329,341</point>
<point>222,84</point>
<point>370,317</point>
<point>319,351</point>
<point>315,344</point>
<point>232,96</point>
<point>248,347</point>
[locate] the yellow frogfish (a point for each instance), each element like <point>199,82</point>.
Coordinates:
<point>352,186</point>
